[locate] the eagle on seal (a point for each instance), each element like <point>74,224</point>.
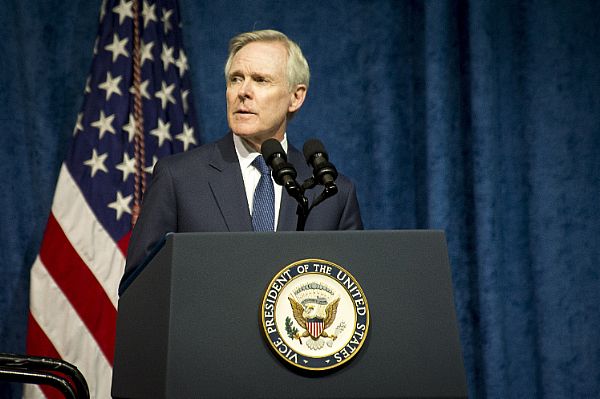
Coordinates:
<point>314,313</point>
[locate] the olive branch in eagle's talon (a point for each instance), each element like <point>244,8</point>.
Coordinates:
<point>291,330</point>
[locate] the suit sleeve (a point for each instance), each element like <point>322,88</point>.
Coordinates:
<point>158,217</point>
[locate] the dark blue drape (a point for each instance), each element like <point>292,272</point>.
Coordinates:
<point>481,118</point>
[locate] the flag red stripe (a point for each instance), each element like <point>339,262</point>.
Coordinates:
<point>79,286</point>
<point>124,243</point>
<point>38,344</point>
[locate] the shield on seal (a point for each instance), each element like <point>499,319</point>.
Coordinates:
<point>314,327</point>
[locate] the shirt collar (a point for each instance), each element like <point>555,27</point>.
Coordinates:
<point>246,154</point>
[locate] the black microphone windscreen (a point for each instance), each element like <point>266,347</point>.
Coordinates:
<point>271,147</point>
<point>313,146</point>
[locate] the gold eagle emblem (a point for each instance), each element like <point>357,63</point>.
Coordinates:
<point>314,310</point>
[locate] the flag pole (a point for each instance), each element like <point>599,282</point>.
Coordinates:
<point>139,148</point>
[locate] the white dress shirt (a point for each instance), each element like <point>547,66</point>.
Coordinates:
<point>251,175</point>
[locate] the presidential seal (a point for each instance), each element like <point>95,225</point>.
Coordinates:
<point>315,315</point>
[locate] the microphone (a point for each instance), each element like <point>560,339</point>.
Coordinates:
<point>284,172</point>
<point>323,170</point>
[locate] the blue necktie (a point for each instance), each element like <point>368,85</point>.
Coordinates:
<point>263,209</point>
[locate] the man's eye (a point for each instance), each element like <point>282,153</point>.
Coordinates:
<point>235,79</point>
<point>260,79</point>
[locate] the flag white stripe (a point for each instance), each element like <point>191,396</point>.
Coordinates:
<point>63,327</point>
<point>33,392</point>
<point>91,241</point>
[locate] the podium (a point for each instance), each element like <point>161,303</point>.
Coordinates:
<point>189,325</point>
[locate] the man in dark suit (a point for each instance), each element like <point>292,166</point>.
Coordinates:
<point>212,188</point>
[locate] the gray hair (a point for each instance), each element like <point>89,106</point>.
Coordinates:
<point>297,66</point>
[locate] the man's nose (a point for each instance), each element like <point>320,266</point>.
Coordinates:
<point>245,89</point>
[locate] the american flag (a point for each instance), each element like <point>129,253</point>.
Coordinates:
<point>75,277</point>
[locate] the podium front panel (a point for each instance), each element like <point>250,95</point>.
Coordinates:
<point>189,325</point>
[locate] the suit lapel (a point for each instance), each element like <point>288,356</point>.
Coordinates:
<point>227,186</point>
<point>287,213</point>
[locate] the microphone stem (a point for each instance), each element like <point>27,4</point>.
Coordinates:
<point>302,212</point>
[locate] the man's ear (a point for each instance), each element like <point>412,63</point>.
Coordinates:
<point>297,97</point>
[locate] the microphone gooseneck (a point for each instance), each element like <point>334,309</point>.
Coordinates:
<point>284,174</point>
<point>323,171</point>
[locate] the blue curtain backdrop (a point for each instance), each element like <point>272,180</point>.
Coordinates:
<point>481,118</point>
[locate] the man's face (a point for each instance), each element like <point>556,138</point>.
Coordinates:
<point>258,98</point>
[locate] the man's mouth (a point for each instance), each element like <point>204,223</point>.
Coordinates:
<point>244,112</point>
